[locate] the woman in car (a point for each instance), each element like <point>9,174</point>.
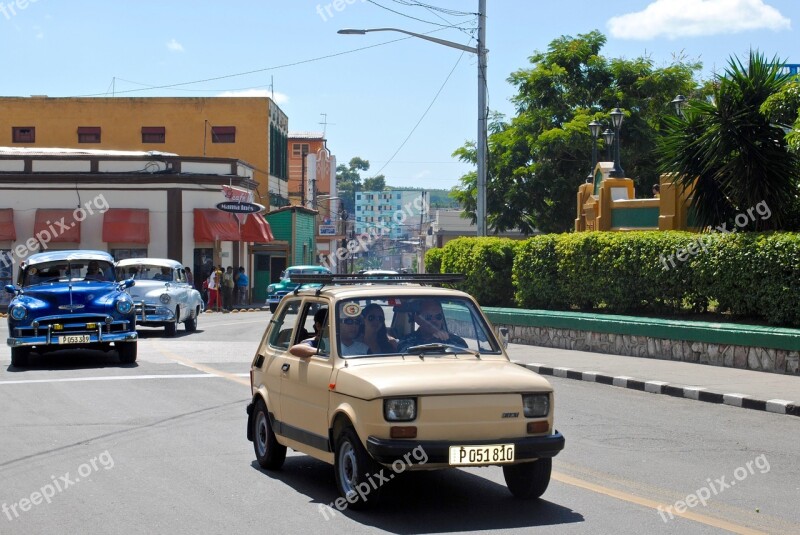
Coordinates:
<point>375,335</point>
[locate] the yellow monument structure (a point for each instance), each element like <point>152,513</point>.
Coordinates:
<point>609,203</point>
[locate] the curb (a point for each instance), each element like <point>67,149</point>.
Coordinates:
<point>777,406</point>
<point>233,310</point>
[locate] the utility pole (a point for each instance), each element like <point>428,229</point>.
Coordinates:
<point>482,137</point>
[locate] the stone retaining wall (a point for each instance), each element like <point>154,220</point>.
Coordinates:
<point>731,356</point>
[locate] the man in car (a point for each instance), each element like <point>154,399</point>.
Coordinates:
<point>430,318</point>
<point>349,328</point>
<point>308,347</point>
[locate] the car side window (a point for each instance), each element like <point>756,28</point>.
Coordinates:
<point>312,312</point>
<point>281,336</point>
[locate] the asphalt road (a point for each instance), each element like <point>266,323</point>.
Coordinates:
<point>91,446</point>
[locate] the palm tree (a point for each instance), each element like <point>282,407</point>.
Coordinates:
<point>729,152</point>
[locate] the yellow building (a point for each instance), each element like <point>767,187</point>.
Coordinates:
<point>251,129</point>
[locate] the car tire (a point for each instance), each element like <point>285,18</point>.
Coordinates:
<point>127,352</point>
<point>269,454</point>
<point>171,329</point>
<point>353,467</point>
<point>273,307</point>
<point>19,356</point>
<point>528,481</point>
<point>191,322</point>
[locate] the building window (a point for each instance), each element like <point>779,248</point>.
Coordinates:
<point>223,134</point>
<point>23,134</point>
<point>358,196</point>
<point>299,149</point>
<point>88,134</point>
<point>154,134</point>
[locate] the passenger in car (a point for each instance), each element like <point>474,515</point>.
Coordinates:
<point>430,318</point>
<point>348,329</point>
<point>375,335</point>
<point>309,346</point>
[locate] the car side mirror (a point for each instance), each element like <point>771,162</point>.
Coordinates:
<point>504,337</point>
<point>10,288</point>
<point>127,283</point>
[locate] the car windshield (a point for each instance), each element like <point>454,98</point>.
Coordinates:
<point>68,271</point>
<point>421,325</point>
<point>148,272</point>
<point>307,271</point>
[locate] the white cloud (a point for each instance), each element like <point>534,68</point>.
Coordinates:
<point>39,34</point>
<point>174,45</point>
<point>692,18</point>
<point>278,98</point>
<point>422,174</point>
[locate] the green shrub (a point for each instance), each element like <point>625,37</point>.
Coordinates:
<point>487,263</point>
<point>537,282</point>
<point>433,260</point>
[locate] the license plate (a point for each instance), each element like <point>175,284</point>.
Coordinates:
<point>74,339</point>
<point>488,454</point>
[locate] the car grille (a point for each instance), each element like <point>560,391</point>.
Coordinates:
<point>83,324</point>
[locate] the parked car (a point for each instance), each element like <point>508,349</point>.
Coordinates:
<point>162,297</point>
<point>276,291</point>
<point>434,389</point>
<point>70,299</point>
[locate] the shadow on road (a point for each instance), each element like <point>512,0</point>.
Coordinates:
<point>439,501</point>
<point>72,359</point>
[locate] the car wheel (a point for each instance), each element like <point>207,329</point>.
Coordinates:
<point>191,322</point>
<point>353,467</point>
<point>19,356</point>
<point>528,480</point>
<point>269,454</point>
<point>273,307</point>
<point>171,329</point>
<point>127,352</point>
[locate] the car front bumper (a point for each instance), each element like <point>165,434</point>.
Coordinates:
<point>148,313</point>
<point>386,451</point>
<point>53,339</point>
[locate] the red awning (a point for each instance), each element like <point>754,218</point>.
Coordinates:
<point>256,229</point>
<point>126,225</point>
<point>60,226</point>
<point>7,230</point>
<point>211,224</point>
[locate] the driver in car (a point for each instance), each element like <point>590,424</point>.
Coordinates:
<point>430,318</point>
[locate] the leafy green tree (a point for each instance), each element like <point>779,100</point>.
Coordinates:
<point>539,157</point>
<point>376,183</point>
<point>783,108</point>
<point>348,181</point>
<point>730,151</point>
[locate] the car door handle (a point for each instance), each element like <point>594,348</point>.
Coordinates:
<point>285,367</point>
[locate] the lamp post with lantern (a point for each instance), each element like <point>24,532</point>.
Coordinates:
<point>594,130</point>
<point>616,121</point>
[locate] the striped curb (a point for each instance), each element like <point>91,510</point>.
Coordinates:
<point>777,406</point>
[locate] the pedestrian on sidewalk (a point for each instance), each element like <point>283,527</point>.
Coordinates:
<point>213,290</point>
<point>242,287</point>
<point>227,289</point>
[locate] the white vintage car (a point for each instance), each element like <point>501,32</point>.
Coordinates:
<point>161,296</point>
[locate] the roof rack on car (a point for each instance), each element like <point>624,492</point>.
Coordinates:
<point>400,278</point>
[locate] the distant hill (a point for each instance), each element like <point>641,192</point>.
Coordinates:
<point>437,198</point>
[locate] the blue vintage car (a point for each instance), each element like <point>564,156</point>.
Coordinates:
<point>70,299</point>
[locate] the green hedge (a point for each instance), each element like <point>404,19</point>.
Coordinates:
<point>755,275</point>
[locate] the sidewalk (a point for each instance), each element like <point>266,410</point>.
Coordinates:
<point>741,388</point>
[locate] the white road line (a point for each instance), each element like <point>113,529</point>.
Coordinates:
<point>120,378</point>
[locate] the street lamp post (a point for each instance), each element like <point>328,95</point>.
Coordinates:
<point>482,144</point>
<point>594,130</point>
<point>679,103</point>
<point>616,121</point>
<point>608,138</point>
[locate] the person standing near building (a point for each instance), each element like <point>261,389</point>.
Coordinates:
<point>213,290</point>
<point>242,287</point>
<point>227,289</point>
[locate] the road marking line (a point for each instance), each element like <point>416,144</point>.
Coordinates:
<point>117,378</point>
<point>235,377</point>
<point>632,498</point>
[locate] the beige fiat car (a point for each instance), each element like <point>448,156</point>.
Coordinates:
<point>379,377</point>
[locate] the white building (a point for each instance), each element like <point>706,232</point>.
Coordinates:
<point>131,204</point>
<point>397,215</point>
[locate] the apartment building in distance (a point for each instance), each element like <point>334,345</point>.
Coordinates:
<point>251,129</point>
<point>394,214</point>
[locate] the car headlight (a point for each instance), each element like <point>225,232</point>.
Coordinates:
<point>270,289</point>
<point>124,306</point>
<point>18,312</point>
<point>536,405</point>
<point>165,298</point>
<point>399,410</point>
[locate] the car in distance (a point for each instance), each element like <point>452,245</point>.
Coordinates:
<point>162,296</point>
<point>276,291</point>
<point>433,389</point>
<point>70,300</point>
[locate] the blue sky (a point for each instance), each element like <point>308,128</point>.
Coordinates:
<point>374,97</point>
